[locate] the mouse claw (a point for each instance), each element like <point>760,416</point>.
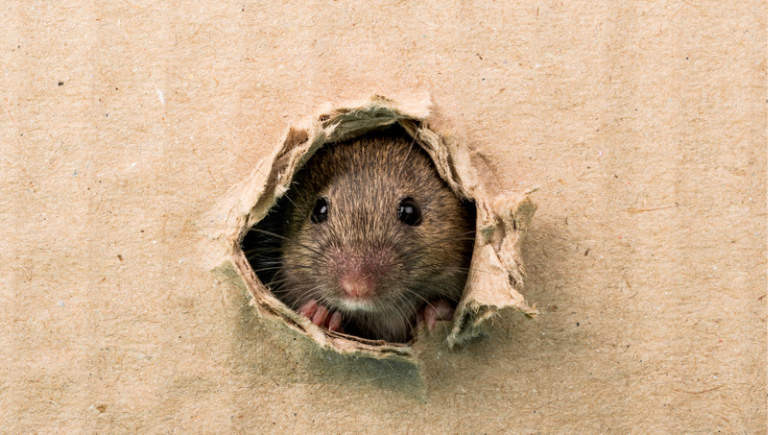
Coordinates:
<point>334,324</point>
<point>308,310</point>
<point>438,310</point>
<point>320,316</point>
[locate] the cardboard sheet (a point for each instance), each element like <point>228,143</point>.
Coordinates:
<point>124,124</point>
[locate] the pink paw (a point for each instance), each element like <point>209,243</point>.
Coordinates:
<point>320,316</point>
<point>434,311</point>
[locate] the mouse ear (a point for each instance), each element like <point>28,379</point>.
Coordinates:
<point>501,222</point>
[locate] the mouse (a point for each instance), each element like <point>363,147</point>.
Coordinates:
<point>368,240</point>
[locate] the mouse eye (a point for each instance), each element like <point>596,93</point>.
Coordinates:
<point>409,212</point>
<point>320,212</point>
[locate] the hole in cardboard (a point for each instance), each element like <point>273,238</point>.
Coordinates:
<point>495,274</point>
<point>369,240</point>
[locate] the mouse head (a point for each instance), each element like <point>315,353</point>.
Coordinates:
<point>371,228</point>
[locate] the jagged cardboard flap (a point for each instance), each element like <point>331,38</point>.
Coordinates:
<point>497,270</point>
<point>501,222</point>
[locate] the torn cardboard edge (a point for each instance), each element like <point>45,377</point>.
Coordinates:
<point>502,221</point>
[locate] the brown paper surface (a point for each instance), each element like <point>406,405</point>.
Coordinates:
<point>123,124</point>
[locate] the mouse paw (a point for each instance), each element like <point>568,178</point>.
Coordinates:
<point>321,316</point>
<point>440,309</point>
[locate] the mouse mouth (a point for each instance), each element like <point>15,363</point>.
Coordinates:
<point>358,304</point>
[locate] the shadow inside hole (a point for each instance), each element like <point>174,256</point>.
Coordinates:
<point>263,244</point>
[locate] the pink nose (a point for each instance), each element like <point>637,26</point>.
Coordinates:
<point>355,285</point>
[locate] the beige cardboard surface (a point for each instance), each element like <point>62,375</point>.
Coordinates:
<point>643,123</point>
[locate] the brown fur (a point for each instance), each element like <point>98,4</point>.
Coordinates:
<point>364,181</point>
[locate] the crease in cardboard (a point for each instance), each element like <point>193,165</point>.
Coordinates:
<point>496,274</point>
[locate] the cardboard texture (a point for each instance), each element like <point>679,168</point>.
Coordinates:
<point>123,124</point>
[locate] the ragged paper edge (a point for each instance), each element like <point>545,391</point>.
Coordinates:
<point>501,221</point>
<point>497,272</point>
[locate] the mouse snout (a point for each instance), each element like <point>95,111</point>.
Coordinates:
<point>360,274</point>
<point>356,285</point>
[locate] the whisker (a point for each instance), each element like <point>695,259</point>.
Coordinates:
<point>258,230</point>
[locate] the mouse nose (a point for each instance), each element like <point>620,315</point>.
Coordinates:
<point>356,285</point>
<point>359,271</point>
